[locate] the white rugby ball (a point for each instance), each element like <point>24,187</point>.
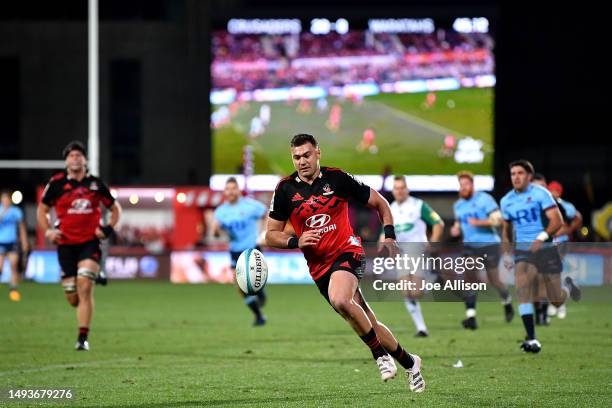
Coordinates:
<point>251,271</point>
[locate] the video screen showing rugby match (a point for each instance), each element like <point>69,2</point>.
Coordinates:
<point>403,95</point>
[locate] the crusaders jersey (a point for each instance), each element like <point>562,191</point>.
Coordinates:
<point>77,206</point>
<point>322,206</point>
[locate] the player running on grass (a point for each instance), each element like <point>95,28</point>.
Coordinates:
<point>315,200</point>
<point>238,216</point>
<point>412,216</point>
<point>12,227</point>
<point>476,217</point>
<point>76,196</point>
<point>534,216</point>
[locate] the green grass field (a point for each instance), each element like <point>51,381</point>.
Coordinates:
<point>162,345</point>
<point>408,135</point>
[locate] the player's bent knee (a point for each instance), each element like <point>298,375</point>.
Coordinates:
<point>87,273</point>
<point>70,291</point>
<point>341,305</point>
<point>69,287</point>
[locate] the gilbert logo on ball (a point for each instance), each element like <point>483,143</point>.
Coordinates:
<point>251,271</point>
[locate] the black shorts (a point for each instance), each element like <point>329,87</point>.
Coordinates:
<point>69,256</point>
<point>490,254</point>
<point>349,261</point>
<point>8,248</point>
<point>236,254</point>
<point>546,260</point>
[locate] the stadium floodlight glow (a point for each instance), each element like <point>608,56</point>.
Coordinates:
<point>320,26</point>
<point>159,197</point>
<point>471,25</point>
<point>342,26</point>
<point>17,197</point>
<point>134,199</point>
<point>181,198</point>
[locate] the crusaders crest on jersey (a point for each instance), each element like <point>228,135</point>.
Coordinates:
<point>327,190</point>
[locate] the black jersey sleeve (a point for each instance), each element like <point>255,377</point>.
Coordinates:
<point>53,190</point>
<point>105,195</point>
<point>279,206</point>
<point>353,188</point>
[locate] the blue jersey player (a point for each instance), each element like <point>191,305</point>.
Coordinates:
<point>533,215</point>
<point>573,218</point>
<point>12,229</point>
<point>238,217</point>
<point>572,222</point>
<point>476,217</point>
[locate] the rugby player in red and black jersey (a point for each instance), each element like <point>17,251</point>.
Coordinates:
<point>76,196</point>
<point>314,200</point>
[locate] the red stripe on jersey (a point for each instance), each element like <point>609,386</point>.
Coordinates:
<point>58,176</point>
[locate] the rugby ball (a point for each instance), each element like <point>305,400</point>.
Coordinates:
<point>251,271</point>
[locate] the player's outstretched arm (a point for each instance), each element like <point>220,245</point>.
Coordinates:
<point>434,220</point>
<point>275,235</point>
<point>115,214</point>
<point>216,228</point>
<point>506,250</point>
<point>494,220</point>
<point>106,231</point>
<point>42,216</point>
<point>455,230</point>
<point>555,220</point>
<point>436,232</point>
<point>23,237</point>
<point>505,236</point>
<point>576,223</point>
<point>381,205</point>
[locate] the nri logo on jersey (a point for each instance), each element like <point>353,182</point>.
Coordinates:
<point>319,222</point>
<point>526,216</point>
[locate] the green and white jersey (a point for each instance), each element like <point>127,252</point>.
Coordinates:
<point>411,218</point>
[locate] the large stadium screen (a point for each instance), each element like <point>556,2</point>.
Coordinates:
<point>411,96</point>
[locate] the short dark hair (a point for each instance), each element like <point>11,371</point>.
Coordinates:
<point>74,145</point>
<point>524,164</point>
<point>231,180</point>
<point>303,138</point>
<point>539,176</point>
<point>5,191</point>
<point>400,178</point>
